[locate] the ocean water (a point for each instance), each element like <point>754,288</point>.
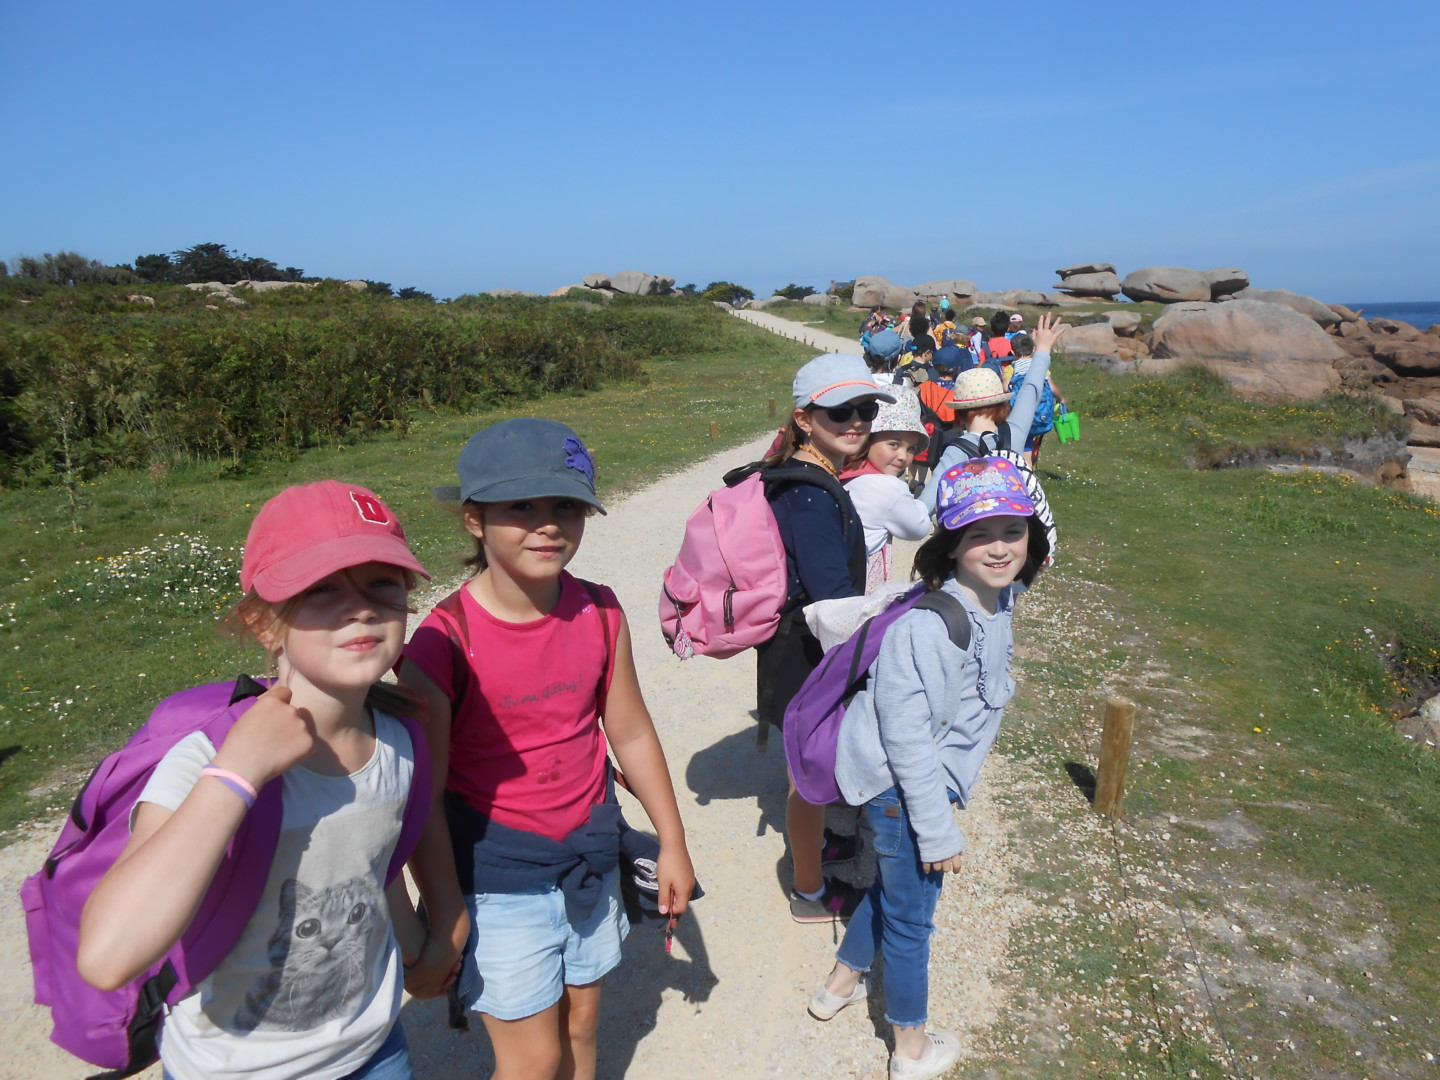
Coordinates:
<point>1418,313</point>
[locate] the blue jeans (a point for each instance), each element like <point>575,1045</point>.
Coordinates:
<point>897,914</point>
<point>390,1062</point>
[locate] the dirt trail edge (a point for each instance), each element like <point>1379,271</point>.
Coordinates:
<point>730,1000</point>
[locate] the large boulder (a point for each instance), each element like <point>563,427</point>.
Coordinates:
<point>1085,268</point>
<point>1090,341</point>
<point>871,290</point>
<point>597,281</point>
<point>1261,350</point>
<point>1410,359</point>
<point>1425,410</point>
<point>664,285</point>
<point>953,287</point>
<point>1124,323</point>
<point>1225,281</point>
<point>1305,305</point>
<point>1346,315</point>
<point>564,289</point>
<point>1104,284</point>
<point>819,299</point>
<point>1008,298</point>
<point>635,282</point>
<point>1167,284</point>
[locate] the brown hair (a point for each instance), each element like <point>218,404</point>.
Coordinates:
<point>267,622</point>
<point>477,561</point>
<point>933,562</point>
<point>794,440</point>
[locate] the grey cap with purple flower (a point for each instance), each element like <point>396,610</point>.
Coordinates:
<point>524,458</point>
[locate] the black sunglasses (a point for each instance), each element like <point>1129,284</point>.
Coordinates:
<point>841,414</point>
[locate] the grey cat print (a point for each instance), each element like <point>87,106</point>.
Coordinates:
<point>317,955</point>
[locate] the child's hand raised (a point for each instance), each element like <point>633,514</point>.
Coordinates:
<point>1047,332</point>
<point>270,737</point>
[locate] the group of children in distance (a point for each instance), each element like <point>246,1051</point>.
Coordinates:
<point>523,680</point>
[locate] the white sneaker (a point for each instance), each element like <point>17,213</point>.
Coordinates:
<point>824,1004</point>
<point>940,1055</point>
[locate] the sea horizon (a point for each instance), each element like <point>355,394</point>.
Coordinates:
<point>1418,313</point>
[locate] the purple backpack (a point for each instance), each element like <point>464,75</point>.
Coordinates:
<point>814,715</point>
<point>120,1029</point>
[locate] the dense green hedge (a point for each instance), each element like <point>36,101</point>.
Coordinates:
<point>90,380</point>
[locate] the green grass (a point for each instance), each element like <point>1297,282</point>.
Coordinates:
<point>92,639</point>
<point>840,319</point>
<point>1286,616</point>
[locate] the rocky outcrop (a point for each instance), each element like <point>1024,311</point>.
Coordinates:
<point>1225,281</point>
<point>1410,359</point>
<point>1104,285</point>
<point>1008,298</point>
<point>1089,342</point>
<point>1089,280</point>
<point>1167,284</point>
<point>955,288</point>
<point>596,281</point>
<point>819,299</point>
<point>1085,268</point>
<point>871,290</point>
<point>1305,305</point>
<point>501,294</point>
<point>1261,350</point>
<point>1124,323</point>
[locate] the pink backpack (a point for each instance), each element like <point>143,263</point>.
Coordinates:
<point>120,1029</point>
<point>727,586</point>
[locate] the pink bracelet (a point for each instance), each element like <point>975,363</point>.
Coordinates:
<point>234,781</point>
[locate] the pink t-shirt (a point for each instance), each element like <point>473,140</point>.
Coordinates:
<point>526,747</point>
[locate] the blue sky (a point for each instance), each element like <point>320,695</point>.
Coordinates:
<point>465,146</point>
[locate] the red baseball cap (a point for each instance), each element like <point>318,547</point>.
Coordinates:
<point>310,531</point>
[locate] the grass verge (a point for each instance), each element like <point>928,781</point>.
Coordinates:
<point>113,599</point>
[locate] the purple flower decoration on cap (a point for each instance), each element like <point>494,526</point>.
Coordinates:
<point>981,488</point>
<point>579,459</point>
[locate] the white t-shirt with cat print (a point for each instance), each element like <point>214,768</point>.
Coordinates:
<point>313,986</point>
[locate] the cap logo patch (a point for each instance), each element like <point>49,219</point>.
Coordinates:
<point>579,459</point>
<point>371,509</point>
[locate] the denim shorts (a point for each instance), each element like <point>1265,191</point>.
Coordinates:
<point>523,950</point>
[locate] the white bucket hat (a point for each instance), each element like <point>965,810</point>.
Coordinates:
<point>977,388</point>
<point>903,415</point>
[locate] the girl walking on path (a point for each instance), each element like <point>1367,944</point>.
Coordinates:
<point>527,674</point>
<point>312,987</point>
<point>835,401</point>
<point>913,742</point>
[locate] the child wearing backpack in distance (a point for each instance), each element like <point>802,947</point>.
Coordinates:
<point>913,741</point>
<point>835,402</point>
<point>877,485</point>
<point>1024,346</point>
<point>982,407</point>
<point>312,988</point>
<point>527,675</point>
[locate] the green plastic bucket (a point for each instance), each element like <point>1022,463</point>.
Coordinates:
<point>1067,425</point>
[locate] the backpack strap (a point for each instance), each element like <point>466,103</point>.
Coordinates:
<point>779,476</point>
<point>957,619</point>
<point>417,804</point>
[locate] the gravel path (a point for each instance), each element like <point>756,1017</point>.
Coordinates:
<point>730,1000</point>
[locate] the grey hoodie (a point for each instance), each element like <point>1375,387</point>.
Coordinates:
<point>928,717</point>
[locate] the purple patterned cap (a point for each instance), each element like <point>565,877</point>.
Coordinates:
<point>981,488</point>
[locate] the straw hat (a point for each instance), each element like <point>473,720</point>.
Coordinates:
<point>977,388</point>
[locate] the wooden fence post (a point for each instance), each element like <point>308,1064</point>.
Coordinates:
<point>772,406</point>
<point>714,430</point>
<point>1114,756</point>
